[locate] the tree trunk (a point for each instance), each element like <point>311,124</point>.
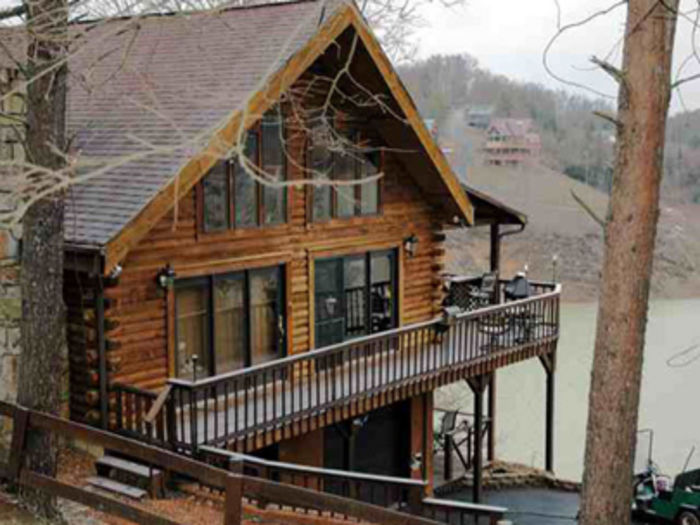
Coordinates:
<point>43,362</point>
<point>629,245</point>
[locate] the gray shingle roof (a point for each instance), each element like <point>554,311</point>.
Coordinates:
<point>164,83</point>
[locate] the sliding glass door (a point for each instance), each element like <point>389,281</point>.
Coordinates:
<point>354,296</point>
<point>229,321</point>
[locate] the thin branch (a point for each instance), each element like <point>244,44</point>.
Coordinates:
<point>588,209</point>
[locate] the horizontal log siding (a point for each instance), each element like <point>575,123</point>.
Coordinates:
<point>140,307</point>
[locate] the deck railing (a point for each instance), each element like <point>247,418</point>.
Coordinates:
<point>402,494</point>
<point>223,409</point>
<point>236,487</point>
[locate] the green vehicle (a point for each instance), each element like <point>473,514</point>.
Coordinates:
<point>658,499</point>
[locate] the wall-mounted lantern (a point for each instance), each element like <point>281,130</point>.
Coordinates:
<point>410,244</point>
<point>166,277</point>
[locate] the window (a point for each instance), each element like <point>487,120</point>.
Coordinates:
<point>231,198</point>
<point>332,162</point>
<point>354,296</point>
<point>229,321</point>
<point>192,311</point>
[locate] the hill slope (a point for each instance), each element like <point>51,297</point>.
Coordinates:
<point>559,226</point>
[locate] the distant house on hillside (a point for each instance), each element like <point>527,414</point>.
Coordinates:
<point>479,116</point>
<point>511,142</point>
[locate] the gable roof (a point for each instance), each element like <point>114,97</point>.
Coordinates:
<point>141,110</point>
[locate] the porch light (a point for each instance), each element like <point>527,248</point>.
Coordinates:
<point>410,244</point>
<point>166,277</point>
<point>416,461</point>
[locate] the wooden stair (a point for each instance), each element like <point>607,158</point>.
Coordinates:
<point>128,477</point>
<point>117,487</point>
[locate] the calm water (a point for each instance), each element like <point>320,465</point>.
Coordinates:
<point>668,402</point>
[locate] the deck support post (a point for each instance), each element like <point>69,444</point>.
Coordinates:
<point>491,435</point>
<point>495,266</point>
<point>549,364</point>
<point>478,385</point>
<point>495,252</point>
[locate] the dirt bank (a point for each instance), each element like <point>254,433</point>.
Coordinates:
<point>559,226</point>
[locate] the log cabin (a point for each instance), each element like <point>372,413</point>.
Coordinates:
<point>235,279</point>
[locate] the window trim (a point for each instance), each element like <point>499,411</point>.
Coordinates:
<point>230,168</point>
<point>208,282</point>
<point>324,253</point>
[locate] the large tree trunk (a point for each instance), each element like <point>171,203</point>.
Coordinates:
<point>629,245</point>
<point>43,360</point>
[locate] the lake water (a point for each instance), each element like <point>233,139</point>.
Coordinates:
<point>668,402</point>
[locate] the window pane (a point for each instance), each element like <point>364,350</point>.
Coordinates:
<point>369,192</point>
<point>382,293</point>
<point>229,324</point>
<point>328,287</point>
<point>344,170</point>
<point>216,208</point>
<point>265,314</point>
<point>191,305</point>
<point>246,197</point>
<point>274,164</point>
<point>321,164</point>
<point>354,275</point>
<point>321,203</point>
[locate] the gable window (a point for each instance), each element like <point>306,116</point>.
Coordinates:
<point>232,198</point>
<point>228,321</point>
<point>334,158</point>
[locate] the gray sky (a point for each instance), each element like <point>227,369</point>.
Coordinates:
<point>509,36</point>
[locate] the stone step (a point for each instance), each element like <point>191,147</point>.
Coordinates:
<point>117,487</point>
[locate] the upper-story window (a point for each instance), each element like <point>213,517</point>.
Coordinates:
<point>343,158</point>
<point>232,197</point>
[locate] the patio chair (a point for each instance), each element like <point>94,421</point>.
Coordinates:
<point>483,295</point>
<point>448,427</point>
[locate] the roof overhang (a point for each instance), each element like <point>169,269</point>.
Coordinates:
<point>488,210</point>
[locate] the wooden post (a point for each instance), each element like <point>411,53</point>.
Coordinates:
<point>495,265</point>
<point>233,504</point>
<point>549,365</point>
<point>102,354</point>
<point>447,447</point>
<point>478,384</point>
<point>495,252</point>
<point>491,436</point>
<point>19,442</point>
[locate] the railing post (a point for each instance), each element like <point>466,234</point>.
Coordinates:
<point>233,504</point>
<point>171,421</point>
<point>415,500</point>
<point>20,425</point>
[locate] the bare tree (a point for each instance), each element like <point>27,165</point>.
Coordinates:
<point>43,361</point>
<point>630,232</point>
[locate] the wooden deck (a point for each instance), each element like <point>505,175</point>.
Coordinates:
<point>260,405</point>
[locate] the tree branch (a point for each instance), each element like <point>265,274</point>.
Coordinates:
<point>588,209</point>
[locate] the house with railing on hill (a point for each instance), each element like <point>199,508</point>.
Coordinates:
<point>511,142</point>
<point>238,294</point>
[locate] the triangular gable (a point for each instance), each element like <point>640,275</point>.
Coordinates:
<point>199,165</point>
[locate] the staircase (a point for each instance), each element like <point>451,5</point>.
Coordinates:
<point>128,478</point>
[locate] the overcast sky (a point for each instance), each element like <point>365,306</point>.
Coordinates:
<point>509,36</point>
